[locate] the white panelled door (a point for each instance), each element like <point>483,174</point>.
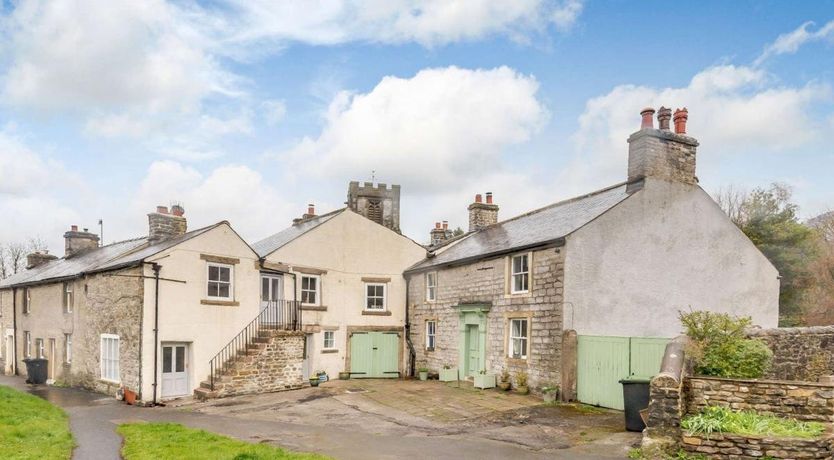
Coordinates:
<point>174,370</point>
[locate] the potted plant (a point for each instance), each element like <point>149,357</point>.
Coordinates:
<point>424,373</point>
<point>314,380</point>
<point>521,383</point>
<point>449,373</point>
<point>484,380</point>
<point>550,393</point>
<point>345,375</point>
<point>505,384</point>
<point>322,376</point>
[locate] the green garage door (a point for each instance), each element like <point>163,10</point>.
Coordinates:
<point>603,361</point>
<point>374,355</point>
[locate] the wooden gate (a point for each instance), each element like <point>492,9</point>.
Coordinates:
<point>374,355</point>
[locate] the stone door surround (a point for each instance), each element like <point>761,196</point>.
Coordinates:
<point>474,314</point>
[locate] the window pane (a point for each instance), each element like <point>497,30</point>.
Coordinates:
<point>212,289</point>
<point>213,273</point>
<point>523,326</point>
<point>166,359</point>
<point>225,273</point>
<point>223,290</point>
<point>180,359</point>
<point>265,289</point>
<point>523,264</point>
<point>275,289</point>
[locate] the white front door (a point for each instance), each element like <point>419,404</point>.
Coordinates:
<point>272,289</point>
<point>308,357</point>
<point>9,352</point>
<point>174,370</point>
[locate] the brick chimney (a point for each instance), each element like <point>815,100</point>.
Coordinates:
<point>311,212</point>
<point>76,241</point>
<point>660,153</point>
<point>38,258</point>
<point>440,233</point>
<point>164,225</point>
<point>482,214</point>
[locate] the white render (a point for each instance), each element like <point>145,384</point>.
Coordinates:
<point>665,249</point>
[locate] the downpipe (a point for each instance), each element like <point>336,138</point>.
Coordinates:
<point>412,355</point>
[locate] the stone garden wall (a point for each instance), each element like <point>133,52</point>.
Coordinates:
<point>799,400</point>
<point>799,353</point>
<point>718,446</point>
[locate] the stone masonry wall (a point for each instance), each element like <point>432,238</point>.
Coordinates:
<point>276,366</point>
<point>799,353</point>
<point>799,400</point>
<point>486,282</point>
<point>742,447</point>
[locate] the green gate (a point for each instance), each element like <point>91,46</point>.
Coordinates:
<point>374,355</point>
<point>603,361</point>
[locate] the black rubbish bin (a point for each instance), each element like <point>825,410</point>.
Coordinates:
<point>36,370</point>
<point>635,398</point>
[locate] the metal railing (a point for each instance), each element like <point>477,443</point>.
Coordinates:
<point>281,315</point>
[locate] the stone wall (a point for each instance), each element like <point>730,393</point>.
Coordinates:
<point>799,353</point>
<point>734,446</point>
<point>275,365</point>
<point>791,399</point>
<point>485,282</point>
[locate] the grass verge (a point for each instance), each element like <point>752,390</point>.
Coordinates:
<point>31,428</point>
<point>152,441</point>
<point>722,420</point>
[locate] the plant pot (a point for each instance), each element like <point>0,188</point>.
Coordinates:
<point>551,396</point>
<point>504,386</point>
<point>314,381</point>
<point>484,381</point>
<point>130,397</point>
<point>449,375</point>
<point>323,378</point>
<point>424,375</point>
<point>344,375</point>
<point>522,390</point>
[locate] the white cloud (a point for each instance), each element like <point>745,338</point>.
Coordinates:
<point>274,111</point>
<point>437,129</point>
<point>789,43</point>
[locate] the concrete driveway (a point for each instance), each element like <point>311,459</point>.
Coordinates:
<point>362,419</point>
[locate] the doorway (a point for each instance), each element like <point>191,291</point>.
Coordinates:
<point>10,352</point>
<point>50,363</point>
<point>307,363</point>
<point>473,350</point>
<point>174,370</point>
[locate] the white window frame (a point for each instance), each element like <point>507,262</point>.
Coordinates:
<point>231,281</point>
<point>332,340</point>
<point>27,344</point>
<point>384,296</point>
<point>27,301</point>
<point>69,297</point>
<point>67,348</point>
<point>431,334</point>
<point>431,286</point>
<point>525,274</point>
<point>41,348</point>
<point>107,360</point>
<point>317,291</point>
<point>523,340</point>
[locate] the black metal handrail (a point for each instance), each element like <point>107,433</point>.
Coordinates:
<point>284,315</point>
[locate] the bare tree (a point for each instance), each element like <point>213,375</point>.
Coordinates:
<point>17,256</point>
<point>732,201</point>
<point>4,263</point>
<point>37,244</point>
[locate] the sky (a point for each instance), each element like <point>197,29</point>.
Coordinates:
<point>247,110</point>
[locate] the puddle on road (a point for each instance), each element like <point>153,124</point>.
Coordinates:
<point>355,390</point>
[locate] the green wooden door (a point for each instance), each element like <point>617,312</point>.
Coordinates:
<point>473,350</point>
<point>374,355</point>
<point>603,361</point>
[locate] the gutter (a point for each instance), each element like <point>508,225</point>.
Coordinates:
<point>412,355</point>
<point>554,243</point>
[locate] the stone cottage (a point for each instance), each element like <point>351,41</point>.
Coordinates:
<point>586,291</point>
<point>148,315</point>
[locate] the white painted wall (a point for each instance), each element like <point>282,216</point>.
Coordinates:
<point>349,247</point>
<point>667,248</point>
<point>182,317</point>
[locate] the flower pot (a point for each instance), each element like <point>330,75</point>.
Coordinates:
<point>551,396</point>
<point>504,386</point>
<point>424,375</point>
<point>449,375</point>
<point>344,375</point>
<point>314,381</point>
<point>484,381</point>
<point>522,390</point>
<point>130,397</point>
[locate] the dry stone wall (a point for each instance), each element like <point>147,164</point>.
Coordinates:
<point>799,353</point>
<point>734,446</point>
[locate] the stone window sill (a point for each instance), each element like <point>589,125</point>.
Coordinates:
<point>375,313</point>
<point>330,350</point>
<point>429,350</point>
<point>314,307</point>
<point>517,361</point>
<point>220,303</point>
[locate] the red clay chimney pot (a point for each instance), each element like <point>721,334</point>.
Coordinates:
<point>489,197</point>
<point>648,121</point>
<point>663,117</point>
<point>162,209</point>
<point>311,209</point>
<point>681,115</point>
<point>177,210</point>
<point>478,198</point>
<point>74,228</point>
<point>437,225</point>
<point>445,225</point>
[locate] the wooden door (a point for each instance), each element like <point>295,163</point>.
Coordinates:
<point>174,370</point>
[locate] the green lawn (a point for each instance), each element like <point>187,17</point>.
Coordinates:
<point>152,441</point>
<point>31,428</point>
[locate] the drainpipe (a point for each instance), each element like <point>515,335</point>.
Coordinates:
<point>411,354</point>
<point>14,327</point>
<point>156,267</point>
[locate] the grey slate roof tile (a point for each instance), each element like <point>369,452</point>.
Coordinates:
<point>272,243</point>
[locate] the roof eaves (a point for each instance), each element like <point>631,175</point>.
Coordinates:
<point>557,242</point>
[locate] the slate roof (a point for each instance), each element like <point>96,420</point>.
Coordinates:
<point>110,257</point>
<point>272,243</point>
<point>538,227</point>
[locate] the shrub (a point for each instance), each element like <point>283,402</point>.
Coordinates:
<point>719,346</point>
<point>722,420</point>
<point>521,379</point>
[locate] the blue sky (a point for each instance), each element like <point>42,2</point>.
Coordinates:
<point>248,110</point>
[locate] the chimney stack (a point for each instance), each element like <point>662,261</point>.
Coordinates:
<point>76,242</point>
<point>440,233</point>
<point>38,258</point>
<point>661,153</point>
<point>482,214</point>
<point>163,225</point>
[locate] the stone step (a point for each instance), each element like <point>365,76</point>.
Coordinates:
<point>204,393</point>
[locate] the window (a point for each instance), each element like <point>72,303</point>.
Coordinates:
<point>329,340</point>
<point>27,301</point>
<point>110,357</point>
<point>310,289</point>
<point>431,286</point>
<point>67,348</point>
<point>68,298</point>
<point>518,338</point>
<point>520,281</point>
<point>374,296</point>
<point>39,347</point>
<point>220,281</point>
<point>27,343</point>
<point>431,328</point>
